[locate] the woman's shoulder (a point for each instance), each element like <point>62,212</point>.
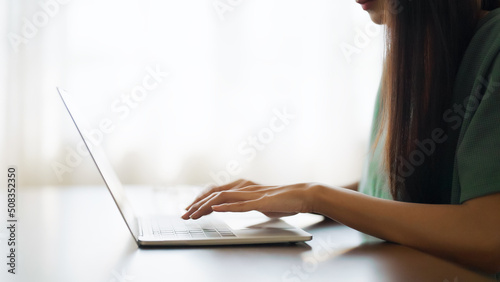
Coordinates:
<point>486,37</point>
<point>490,21</point>
<point>481,55</point>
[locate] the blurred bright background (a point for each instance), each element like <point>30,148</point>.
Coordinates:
<point>196,91</point>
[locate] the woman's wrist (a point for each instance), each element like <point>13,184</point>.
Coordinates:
<point>316,197</point>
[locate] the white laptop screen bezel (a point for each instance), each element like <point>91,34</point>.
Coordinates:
<point>103,165</point>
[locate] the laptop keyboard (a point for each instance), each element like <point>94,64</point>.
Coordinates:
<point>176,228</point>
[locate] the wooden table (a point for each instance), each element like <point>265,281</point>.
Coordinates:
<point>76,234</point>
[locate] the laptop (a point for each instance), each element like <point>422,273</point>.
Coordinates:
<point>169,229</point>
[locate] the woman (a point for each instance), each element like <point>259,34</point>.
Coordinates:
<point>432,180</point>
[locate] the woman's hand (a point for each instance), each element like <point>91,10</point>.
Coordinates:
<point>243,195</point>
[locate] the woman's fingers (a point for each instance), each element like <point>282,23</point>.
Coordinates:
<point>194,207</point>
<point>204,207</point>
<point>227,196</point>
<point>245,206</point>
<point>240,183</point>
<point>241,196</point>
<point>210,189</point>
<point>221,197</point>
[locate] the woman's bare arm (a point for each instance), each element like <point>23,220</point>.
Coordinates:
<point>467,233</point>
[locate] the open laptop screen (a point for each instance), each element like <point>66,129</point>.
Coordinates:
<point>108,174</point>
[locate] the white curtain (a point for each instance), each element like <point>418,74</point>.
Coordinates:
<point>193,92</point>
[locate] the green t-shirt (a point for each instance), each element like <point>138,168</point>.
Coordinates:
<point>475,118</point>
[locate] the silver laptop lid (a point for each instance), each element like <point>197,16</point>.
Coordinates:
<point>108,174</point>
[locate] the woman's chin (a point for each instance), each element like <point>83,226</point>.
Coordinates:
<point>376,17</point>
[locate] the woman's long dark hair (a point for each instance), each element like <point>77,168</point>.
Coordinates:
<point>490,4</point>
<point>426,40</point>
